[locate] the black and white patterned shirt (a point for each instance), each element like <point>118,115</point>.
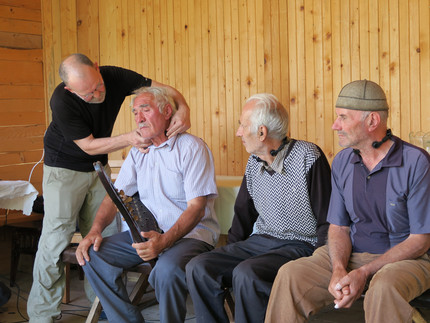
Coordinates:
<point>288,204</point>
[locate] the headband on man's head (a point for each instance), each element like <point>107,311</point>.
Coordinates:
<point>362,95</point>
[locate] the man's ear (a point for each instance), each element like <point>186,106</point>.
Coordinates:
<point>167,111</point>
<point>96,66</point>
<point>374,120</point>
<point>262,132</point>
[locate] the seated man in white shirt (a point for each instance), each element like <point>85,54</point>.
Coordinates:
<point>175,180</point>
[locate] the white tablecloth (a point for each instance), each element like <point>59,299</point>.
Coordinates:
<point>17,195</point>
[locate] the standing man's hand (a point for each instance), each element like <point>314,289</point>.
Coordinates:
<point>180,123</point>
<point>136,140</point>
<point>181,119</point>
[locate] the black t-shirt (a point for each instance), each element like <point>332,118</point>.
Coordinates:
<point>73,118</point>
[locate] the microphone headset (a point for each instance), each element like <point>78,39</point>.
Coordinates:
<point>377,144</point>
<point>275,152</point>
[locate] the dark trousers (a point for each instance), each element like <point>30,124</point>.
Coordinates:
<point>249,267</point>
<point>105,268</point>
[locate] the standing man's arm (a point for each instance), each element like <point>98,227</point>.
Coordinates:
<point>186,222</point>
<point>98,146</point>
<point>180,123</point>
<point>181,119</point>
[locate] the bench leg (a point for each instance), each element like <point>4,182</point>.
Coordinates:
<point>66,296</point>
<point>229,305</point>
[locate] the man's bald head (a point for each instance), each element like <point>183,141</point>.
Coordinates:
<point>74,65</point>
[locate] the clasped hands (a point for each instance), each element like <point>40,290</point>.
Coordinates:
<point>347,287</point>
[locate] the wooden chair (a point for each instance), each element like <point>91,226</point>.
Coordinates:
<point>69,257</point>
<point>24,238</point>
<point>136,294</point>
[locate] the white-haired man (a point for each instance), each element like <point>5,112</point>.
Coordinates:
<point>280,215</point>
<point>175,180</point>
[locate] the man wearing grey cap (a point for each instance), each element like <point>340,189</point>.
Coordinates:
<point>379,234</point>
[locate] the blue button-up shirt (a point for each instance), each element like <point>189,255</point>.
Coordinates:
<point>383,206</point>
<point>168,176</point>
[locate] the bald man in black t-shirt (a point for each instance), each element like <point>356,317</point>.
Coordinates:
<point>84,109</point>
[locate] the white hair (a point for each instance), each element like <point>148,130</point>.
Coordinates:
<point>160,96</point>
<point>269,112</point>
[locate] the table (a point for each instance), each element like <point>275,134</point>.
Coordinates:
<point>16,202</point>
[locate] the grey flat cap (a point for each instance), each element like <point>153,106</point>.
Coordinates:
<point>362,95</point>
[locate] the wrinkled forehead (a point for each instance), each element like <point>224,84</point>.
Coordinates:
<point>349,113</point>
<point>144,98</point>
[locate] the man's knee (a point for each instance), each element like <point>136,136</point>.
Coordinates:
<point>166,273</point>
<point>92,264</point>
<point>193,265</point>
<point>245,274</point>
<point>199,265</point>
<point>384,282</point>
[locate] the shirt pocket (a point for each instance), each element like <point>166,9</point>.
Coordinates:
<point>173,184</point>
<point>397,216</point>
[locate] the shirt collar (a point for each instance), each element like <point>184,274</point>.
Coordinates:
<point>393,158</point>
<point>169,143</point>
<point>278,164</point>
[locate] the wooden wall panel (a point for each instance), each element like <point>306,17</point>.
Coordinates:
<point>22,105</point>
<point>219,52</point>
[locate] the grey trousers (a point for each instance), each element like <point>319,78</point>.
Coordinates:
<point>69,197</point>
<point>105,268</point>
<point>249,267</point>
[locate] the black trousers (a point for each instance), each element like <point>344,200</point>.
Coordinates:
<point>249,267</point>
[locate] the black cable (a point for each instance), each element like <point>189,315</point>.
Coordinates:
<point>17,303</point>
<point>67,311</point>
<point>17,297</point>
<point>75,305</point>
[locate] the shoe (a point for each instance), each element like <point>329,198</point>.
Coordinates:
<point>102,316</point>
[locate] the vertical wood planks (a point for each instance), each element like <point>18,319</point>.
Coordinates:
<point>220,52</point>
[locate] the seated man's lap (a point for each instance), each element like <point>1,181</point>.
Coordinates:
<point>258,257</point>
<point>407,277</point>
<point>265,266</point>
<point>117,251</point>
<point>173,260</point>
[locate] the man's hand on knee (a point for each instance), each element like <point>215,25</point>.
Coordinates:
<point>82,250</point>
